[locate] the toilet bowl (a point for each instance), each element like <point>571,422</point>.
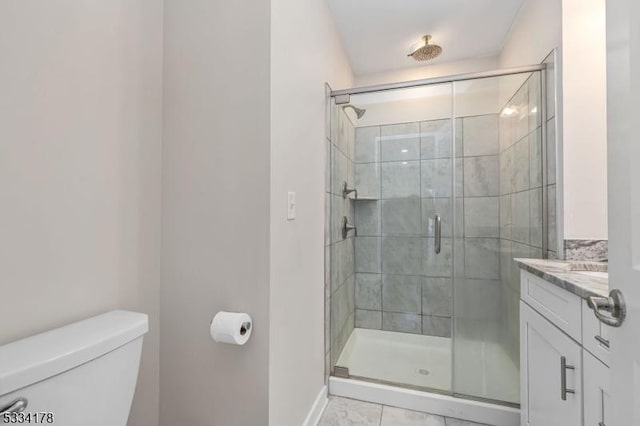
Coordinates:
<point>81,374</point>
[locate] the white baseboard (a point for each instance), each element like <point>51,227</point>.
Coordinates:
<point>442,405</point>
<point>315,413</point>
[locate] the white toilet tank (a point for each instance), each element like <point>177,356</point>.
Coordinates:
<point>82,374</point>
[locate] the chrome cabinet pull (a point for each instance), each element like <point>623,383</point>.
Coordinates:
<point>614,305</point>
<point>563,378</point>
<point>17,406</point>
<point>604,342</point>
<point>438,234</point>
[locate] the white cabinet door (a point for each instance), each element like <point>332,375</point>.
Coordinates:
<point>623,127</point>
<point>551,371</point>
<point>597,399</point>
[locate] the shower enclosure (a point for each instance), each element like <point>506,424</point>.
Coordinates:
<point>432,190</point>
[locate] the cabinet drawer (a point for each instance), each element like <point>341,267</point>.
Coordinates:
<point>560,307</point>
<point>595,334</point>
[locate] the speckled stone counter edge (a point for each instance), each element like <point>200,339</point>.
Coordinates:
<point>583,286</point>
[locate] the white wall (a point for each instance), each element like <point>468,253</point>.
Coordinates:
<point>429,71</point>
<point>215,241</point>
<point>427,103</point>
<point>578,26</point>
<point>305,53</point>
<point>80,153</point>
<point>536,31</point>
<point>475,97</point>
<point>585,119</point>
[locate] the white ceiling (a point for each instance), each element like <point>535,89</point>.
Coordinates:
<point>377,34</point>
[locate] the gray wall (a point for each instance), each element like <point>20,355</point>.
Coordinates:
<point>215,246</point>
<point>80,154</point>
<point>298,134</point>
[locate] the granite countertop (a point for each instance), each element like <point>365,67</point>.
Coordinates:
<point>584,279</point>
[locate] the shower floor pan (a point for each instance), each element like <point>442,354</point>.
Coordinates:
<point>402,358</point>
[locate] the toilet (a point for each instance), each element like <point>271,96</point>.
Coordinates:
<point>81,374</point>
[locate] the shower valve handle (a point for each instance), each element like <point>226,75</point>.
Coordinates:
<point>346,227</point>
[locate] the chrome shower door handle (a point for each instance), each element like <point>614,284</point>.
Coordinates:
<point>563,378</point>
<point>438,234</point>
<point>17,406</point>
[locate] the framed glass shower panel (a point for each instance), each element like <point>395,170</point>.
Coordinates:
<point>500,192</point>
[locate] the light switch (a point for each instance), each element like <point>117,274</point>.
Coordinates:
<point>291,206</point>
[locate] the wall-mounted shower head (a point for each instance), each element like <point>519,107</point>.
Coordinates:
<point>359,111</point>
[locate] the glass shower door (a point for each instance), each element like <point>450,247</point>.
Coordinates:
<point>499,192</point>
<point>391,308</point>
<point>431,192</point>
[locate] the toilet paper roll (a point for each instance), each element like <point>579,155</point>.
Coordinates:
<point>231,327</point>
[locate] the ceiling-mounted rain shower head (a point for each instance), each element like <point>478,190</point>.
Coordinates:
<point>424,51</point>
<point>359,111</point>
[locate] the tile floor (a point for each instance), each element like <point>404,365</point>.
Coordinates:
<point>350,412</point>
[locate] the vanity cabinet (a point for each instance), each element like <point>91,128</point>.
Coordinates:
<point>564,358</point>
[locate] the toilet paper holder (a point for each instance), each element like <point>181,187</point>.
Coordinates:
<point>231,327</point>
<point>245,327</point>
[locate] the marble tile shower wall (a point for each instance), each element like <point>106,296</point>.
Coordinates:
<point>403,176</point>
<point>339,252</point>
<point>521,180</point>
<point>521,192</point>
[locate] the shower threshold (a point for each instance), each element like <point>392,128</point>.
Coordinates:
<point>426,402</point>
<point>411,371</point>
